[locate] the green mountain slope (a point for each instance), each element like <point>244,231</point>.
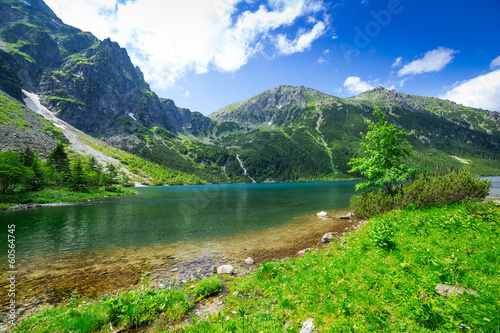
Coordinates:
<point>282,134</point>
<point>313,135</point>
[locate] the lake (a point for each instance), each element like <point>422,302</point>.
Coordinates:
<point>168,215</point>
<point>168,233</point>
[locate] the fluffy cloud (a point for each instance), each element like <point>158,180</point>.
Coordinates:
<point>355,86</point>
<point>167,39</point>
<point>302,42</point>
<point>397,62</point>
<point>433,61</point>
<point>480,92</point>
<point>495,63</point>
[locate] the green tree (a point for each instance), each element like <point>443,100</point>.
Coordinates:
<point>59,159</point>
<point>36,179</point>
<point>384,150</point>
<point>27,157</point>
<point>110,177</point>
<point>12,171</point>
<point>78,178</point>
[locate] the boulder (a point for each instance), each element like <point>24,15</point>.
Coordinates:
<point>445,290</point>
<point>249,261</point>
<point>348,216</point>
<point>327,237</point>
<point>302,252</point>
<point>307,326</point>
<point>323,215</point>
<point>225,269</point>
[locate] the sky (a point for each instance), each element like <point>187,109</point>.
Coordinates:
<point>207,54</point>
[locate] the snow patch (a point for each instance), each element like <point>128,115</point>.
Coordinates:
<point>131,115</point>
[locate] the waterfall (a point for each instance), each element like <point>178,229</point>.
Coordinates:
<point>323,139</point>
<point>243,167</point>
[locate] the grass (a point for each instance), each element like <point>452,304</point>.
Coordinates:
<point>383,278</point>
<point>57,195</point>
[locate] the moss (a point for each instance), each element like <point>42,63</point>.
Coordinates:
<point>11,112</point>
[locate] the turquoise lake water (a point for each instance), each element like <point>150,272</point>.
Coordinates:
<point>160,216</point>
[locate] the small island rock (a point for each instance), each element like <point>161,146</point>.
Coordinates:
<point>323,215</point>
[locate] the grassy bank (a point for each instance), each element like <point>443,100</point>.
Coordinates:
<point>46,196</point>
<point>382,278</point>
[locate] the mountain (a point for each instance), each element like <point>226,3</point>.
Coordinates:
<point>313,134</point>
<point>282,134</point>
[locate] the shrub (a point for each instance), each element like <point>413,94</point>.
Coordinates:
<point>422,192</point>
<point>207,287</point>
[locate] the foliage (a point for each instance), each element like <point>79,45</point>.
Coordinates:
<point>24,176</point>
<point>130,309</point>
<point>12,171</point>
<point>384,150</point>
<point>423,191</point>
<point>207,287</point>
<point>362,287</point>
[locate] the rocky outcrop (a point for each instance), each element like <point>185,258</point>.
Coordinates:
<point>22,128</point>
<point>277,107</point>
<point>307,326</point>
<point>445,290</point>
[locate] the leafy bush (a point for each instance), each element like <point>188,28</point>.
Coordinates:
<point>424,191</point>
<point>207,287</point>
<point>138,307</point>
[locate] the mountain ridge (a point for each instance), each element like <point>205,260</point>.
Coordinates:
<point>285,133</point>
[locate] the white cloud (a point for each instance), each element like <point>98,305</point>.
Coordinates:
<point>167,39</point>
<point>480,92</point>
<point>397,62</point>
<point>355,85</point>
<point>495,63</point>
<point>433,61</point>
<point>302,42</point>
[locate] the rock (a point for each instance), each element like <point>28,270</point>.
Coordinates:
<point>249,261</point>
<point>323,215</point>
<point>225,269</point>
<point>236,293</point>
<point>307,326</point>
<point>212,269</point>
<point>343,243</point>
<point>192,286</point>
<point>302,252</point>
<point>327,237</point>
<point>445,290</point>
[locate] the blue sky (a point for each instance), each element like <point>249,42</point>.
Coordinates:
<point>206,54</point>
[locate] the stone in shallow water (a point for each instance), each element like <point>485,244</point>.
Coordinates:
<point>323,215</point>
<point>225,269</point>
<point>327,237</point>
<point>249,261</point>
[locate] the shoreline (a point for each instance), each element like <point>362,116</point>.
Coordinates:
<point>49,281</point>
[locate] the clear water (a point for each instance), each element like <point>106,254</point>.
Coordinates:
<point>160,216</point>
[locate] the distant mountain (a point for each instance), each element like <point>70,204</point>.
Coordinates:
<point>321,131</point>
<point>282,134</point>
